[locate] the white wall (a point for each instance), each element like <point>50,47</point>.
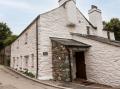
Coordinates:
<point>20,49</point>
<point>102,62</point>
<point>112,36</point>
<point>95,18</point>
<point>54,24</point>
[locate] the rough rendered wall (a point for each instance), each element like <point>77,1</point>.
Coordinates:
<point>54,24</point>
<point>82,24</point>
<point>102,62</point>
<point>105,34</point>
<point>19,50</point>
<point>112,36</point>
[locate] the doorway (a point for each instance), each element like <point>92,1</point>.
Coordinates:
<point>80,66</point>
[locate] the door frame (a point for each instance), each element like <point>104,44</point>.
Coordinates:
<point>73,61</point>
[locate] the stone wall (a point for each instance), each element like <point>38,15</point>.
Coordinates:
<point>2,56</point>
<point>5,55</point>
<point>60,61</point>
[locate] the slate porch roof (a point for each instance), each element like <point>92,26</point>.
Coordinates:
<point>100,39</point>
<point>70,42</point>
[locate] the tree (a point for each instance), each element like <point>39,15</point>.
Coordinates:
<point>6,36</point>
<point>4,31</point>
<point>9,40</point>
<point>114,26</point>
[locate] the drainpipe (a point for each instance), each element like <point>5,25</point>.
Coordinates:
<point>37,67</point>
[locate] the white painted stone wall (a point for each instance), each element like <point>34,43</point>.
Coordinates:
<point>105,34</point>
<point>112,36</point>
<point>95,18</point>
<point>71,12</point>
<point>54,24</point>
<point>19,50</point>
<point>102,62</point>
<point>51,24</point>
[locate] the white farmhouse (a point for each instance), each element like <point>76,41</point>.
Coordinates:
<point>63,45</point>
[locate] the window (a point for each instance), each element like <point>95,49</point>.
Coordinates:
<point>13,62</point>
<point>26,38</point>
<point>21,61</point>
<point>88,30</point>
<point>32,58</point>
<point>26,61</point>
<point>17,61</point>
<point>18,44</point>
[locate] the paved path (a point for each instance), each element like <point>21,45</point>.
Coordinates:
<point>10,80</point>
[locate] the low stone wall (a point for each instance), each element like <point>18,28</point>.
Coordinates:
<point>60,60</point>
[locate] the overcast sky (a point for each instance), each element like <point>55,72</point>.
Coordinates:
<point>19,13</point>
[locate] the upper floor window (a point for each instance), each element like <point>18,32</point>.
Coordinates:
<point>88,30</point>
<point>26,38</point>
<point>18,44</point>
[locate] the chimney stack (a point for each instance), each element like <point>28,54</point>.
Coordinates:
<point>95,17</point>
<point>71,11</point>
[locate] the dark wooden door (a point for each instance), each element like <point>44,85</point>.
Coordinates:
<point>80,66</point>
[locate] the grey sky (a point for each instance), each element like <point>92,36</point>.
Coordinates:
<point>19,13</point>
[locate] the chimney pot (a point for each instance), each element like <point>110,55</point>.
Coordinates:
<point>93,6</point>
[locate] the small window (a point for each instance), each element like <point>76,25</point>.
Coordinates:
<point>21,60</point>
<point>32,58</point>
<point>88,30</point>
<point>26,38</point>
<point>17,61</point>
<point>18,45</point>
<point>13,62</point>
<point>26,61</point>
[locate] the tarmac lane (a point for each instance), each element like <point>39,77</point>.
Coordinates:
<point>9,80</point>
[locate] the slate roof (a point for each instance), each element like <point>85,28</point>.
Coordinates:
<point>69,42</point>
<point>100,39</point>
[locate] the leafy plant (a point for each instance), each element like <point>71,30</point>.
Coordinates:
<point>114,26</point>
<point>30,74</point>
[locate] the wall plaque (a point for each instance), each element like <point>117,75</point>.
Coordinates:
<point>45,53</point>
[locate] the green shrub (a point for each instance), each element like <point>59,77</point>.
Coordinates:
<point>30,74</point>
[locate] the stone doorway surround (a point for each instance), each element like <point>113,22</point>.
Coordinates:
<point>63,58</point>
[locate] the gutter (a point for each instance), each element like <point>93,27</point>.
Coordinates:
<point>37,58</point>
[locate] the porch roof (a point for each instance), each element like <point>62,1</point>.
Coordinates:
<point>70,42</point>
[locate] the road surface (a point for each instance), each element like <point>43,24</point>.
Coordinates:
<point>10,80</point>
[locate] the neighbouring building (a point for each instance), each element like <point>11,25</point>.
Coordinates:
<point>63,45</point>
<point>5,55</point>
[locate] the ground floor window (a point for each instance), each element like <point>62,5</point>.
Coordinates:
<point>13,62</point>
<point>26,61</point>
<point>32,60</point>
